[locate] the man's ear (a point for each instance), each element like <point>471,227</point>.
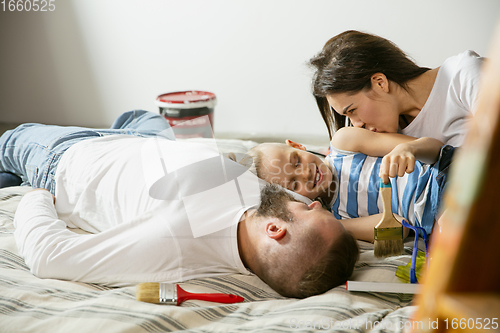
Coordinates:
<point>295,145</point>
<point>275,231</point>
<point>380,82</point>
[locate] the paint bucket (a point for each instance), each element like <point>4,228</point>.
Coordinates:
<point>190,113</point>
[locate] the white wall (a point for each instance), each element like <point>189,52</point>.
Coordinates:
<point>90,60</point>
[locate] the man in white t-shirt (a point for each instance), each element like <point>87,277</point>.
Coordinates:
<point>162,210</point>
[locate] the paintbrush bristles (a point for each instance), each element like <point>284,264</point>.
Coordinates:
<point>388,234</point>
<point>148,292</point>
<point>387,248</point>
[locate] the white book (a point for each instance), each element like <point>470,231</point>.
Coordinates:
<point>381,287</point>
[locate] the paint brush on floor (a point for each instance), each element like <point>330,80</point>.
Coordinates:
<point>388,234</point>
<point>173,294</point>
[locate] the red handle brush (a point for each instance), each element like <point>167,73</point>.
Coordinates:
<point>173,294</point>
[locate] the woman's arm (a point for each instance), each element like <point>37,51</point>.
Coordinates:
<point>360,140</point>
<point>362,227</point>
<point>399,151</point>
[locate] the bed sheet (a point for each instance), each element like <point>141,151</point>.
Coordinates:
<point>30,304</point>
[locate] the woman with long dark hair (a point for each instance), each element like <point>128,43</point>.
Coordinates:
<point>373,83</point>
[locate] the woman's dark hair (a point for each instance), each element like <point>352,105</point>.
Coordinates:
<point>347,63</point>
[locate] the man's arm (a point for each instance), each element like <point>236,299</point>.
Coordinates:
<point>39,231</point>
<point>126,254</point>
<point>399,151</point>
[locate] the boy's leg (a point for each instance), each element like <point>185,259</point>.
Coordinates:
<point>143,123</point>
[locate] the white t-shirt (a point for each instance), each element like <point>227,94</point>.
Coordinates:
<point>452,101</point>
<point>105,186</point>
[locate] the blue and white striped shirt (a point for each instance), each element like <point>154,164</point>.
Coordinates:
<point>414,196</point>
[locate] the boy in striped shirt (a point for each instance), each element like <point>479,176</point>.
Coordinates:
<point>347,181</point>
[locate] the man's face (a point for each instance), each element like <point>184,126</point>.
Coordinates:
<point>316,219</point>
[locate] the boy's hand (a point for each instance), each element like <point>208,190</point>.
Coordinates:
<point>399,161</point>
<point>402,158</point>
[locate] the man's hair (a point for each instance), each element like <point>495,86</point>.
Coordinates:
<point>279,269</point>
<point>273,203</point>
<point>333,269</point>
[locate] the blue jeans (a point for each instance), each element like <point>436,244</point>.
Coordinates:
<point>33,151</point>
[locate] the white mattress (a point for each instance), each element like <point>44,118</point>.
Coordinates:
<point>30,304</point>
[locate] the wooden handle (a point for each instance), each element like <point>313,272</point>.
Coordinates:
<point>388,219</point>
<point>386,194</point>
